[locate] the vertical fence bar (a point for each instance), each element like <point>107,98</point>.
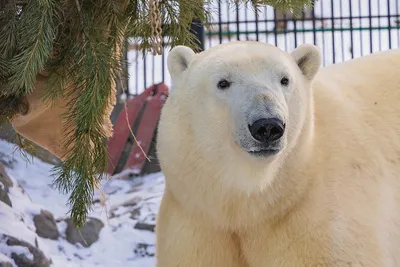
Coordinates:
<point>125,66</point>
<point>333,32</point>
<point>398,22</point>
<point>257,32</point>
<point>295,31</point>
<point>275,28</point>
<point>246,22</point>
<point>219,22</point>
<point>370,26</point>
<point>389,17</point>
<point>266,23</point>
<point>198,30</point>
<point>351,29</point>
<point>237,22</point>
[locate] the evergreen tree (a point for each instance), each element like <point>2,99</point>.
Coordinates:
<point>59,62</point>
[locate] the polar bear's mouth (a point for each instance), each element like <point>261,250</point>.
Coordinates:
<point>263,152</point>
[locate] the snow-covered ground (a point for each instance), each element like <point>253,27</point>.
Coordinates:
<point>119,244</point>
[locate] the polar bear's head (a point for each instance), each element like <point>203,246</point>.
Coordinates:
<point>246,100</point>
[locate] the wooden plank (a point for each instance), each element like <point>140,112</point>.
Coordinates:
<point>145,133</point>
<point>121,133</point>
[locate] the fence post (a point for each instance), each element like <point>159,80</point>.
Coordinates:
<point>197,29</point>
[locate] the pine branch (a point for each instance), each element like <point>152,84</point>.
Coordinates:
<point>35,48</point>
<point>94,73</point>
<point>9,15</point>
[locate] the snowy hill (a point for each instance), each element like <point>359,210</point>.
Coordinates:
<point>123,218</point>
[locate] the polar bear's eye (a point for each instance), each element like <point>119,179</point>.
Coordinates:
<point>285,81</point>
<point>223,84</point>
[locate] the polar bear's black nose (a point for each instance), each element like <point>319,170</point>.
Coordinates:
<point>267,130</point>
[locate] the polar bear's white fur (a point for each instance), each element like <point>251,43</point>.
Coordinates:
<point>320,187</point>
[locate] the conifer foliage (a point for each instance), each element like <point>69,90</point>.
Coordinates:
<point>77,44</point>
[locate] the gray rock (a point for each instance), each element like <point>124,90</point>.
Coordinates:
<point>86,235</point>
<point>132,202</point>
<point>144,250</point>
<point>145,226</point>
<point>135,214</point>
<point>4,197</point>
<point>46,226</point>
<point>7,160</point>
<point>4,178</point>
<point>21,260</point>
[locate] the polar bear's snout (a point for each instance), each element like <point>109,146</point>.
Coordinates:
<point>267,130</point>
<point>260,119</point>
<point>265,137</point>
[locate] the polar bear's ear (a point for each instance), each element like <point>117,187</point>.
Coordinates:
<point>308,58</point>
<point>178,60</point>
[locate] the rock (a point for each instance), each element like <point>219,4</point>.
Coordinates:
<point>89,231</point>
<point>46,226</point>
<point>132,202</point>
<point>4,178</point>
<point>7,160</point>
<point>4,197</point>
<point>22,260</point>
<point>6,264</point>
<point>145,226</point>
<point>144,250</point>
<point>135,214</point>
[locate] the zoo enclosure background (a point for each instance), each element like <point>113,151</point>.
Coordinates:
<point>343,29</point>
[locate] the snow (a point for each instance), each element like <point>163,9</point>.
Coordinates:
<point>119,243</point>
<point>8,251</point>
<point>15,249</point>
<point>9,217</point>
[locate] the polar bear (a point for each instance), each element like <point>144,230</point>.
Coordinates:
<point>271,160</point>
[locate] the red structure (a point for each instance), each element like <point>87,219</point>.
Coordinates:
<point>143,115</point>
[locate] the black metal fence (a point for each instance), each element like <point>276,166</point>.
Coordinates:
<point>343,29</point>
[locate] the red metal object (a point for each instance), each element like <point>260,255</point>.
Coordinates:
<point>146,129</point>
<point>151,100</point>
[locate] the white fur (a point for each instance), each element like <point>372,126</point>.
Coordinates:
<point>330,197</point>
